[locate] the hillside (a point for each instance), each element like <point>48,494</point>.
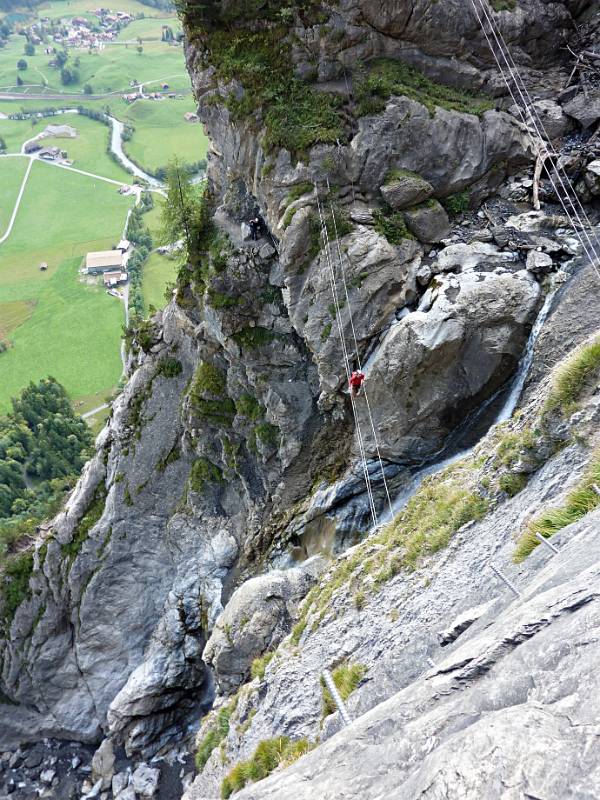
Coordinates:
<point>245,524</point>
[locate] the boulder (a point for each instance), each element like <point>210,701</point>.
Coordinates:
<point>406,189</point>
<point>103,764</point>
<point>592,177</point>
<point>436,365</point>
<point>119,782</point>
<point>429,222</point>
<point>539,262</point>
<point>379,276</point>
<point>144,780</point>
<point>128,793</point>
<point>585,108</point>
<point>47,776</point>
<point>466,257</point>
<point>258,616</point>
<point>553,118</point>
<point>424,274</point>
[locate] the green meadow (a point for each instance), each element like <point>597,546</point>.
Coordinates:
<point>61,326</point>
<point>159,271</point>
<point>12,171</point>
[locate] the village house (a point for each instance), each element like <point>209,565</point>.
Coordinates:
<point>123,245</point>
<point>52,154</point>
<point>114,278</point>
<point>103,261</point>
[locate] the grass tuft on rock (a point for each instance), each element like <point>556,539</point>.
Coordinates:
<point>259,665</point>
<point>215,735</point>
<point>578,503</point>
<point>572,378</point>
<point>346,678</point>
<point>388,77</point>
<point>268,756</point>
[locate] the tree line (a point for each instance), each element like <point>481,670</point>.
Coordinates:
<point>43,447</point>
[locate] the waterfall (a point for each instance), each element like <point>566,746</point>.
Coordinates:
<point>505,413</point>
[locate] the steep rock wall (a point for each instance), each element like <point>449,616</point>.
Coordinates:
<point>198,475</point>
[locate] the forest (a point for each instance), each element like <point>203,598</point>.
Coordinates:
<point>43,447</point>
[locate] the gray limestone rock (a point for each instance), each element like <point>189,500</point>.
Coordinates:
<point>433,366</point>
<point>144,780</point>
<point>429,222</point>
<point>592,177</point>
<point>585,108</point>
<point>103,764</point>
<point>258,616</point>
<point>554,120</point>
<point>405,190</point>
<point>539,262</point>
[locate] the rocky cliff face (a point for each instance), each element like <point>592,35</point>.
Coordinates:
<point>367,136</point>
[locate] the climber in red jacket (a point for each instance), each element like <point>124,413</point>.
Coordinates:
<point>356,381</point>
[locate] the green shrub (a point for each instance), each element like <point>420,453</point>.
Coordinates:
<point>269,754</point>
<point>208,395</point>
<point>15,583</point>
<point>253,338</point>
<point>572,378</point>
<point>578,503</point>
<point>512,483</point>
<point>249,407</point>
<point>298,191</point>
<point>457,203</point>
<point>325,333</point>
<point>295,115</point>
<point>71,549</point>
<point>387,77</point>
<point>204,472</point>
<point>289,216</point>
<point>260,664</point>
<point>346,678</point>
<point>169,367</point>
<point>503,5</point>
<point>220,300</point>
<point>391,224</point>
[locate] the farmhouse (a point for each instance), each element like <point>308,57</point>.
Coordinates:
<point>123,245</point>
<point>114,278</point>
<point>103,261</point>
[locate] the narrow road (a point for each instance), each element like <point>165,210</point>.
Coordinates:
<point>91,413</point>
<point>18,203</point>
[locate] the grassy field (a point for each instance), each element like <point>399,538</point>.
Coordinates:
<point>88,148</point>
<point>12,171</point>
<point>158,272</point>
<point>67,329</point>
<point>71,8</point>
<point>108,70</point>
<point>16,131</point>
<point>148,29</point>
<point>161,132</point>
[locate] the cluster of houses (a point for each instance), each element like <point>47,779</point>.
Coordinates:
<point>110,264</point>
<point>80,31</point>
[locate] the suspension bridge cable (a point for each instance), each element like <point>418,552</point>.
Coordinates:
<point>356,348</point>
<point>325,236</point>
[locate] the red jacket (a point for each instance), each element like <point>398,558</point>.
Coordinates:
<point>356,379</point>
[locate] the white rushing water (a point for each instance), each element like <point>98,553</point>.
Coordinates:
<point>505,413</point>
